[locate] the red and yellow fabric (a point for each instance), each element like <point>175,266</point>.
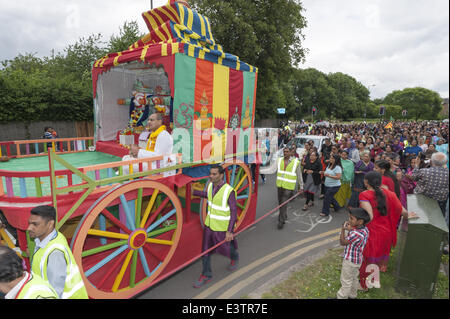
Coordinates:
<point>203,109</point>
<point>214,104</point>
<point>235,89</point>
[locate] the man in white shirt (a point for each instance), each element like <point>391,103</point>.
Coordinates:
<point>52,259</point>
<point>159,143</point>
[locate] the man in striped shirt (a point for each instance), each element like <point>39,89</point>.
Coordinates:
<point>354,243</point>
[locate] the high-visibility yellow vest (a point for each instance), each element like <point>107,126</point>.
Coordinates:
<point>219,211</point>
<point>36,288</point>
<point>74,287</point>
<point>287,177</point>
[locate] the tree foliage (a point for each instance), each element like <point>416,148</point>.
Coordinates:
<point>59,87</point>
<point>128,34</point>
<point>264,33</point>
<point>420,103</point>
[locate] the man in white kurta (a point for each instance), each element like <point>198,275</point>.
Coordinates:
<point>160,142</point>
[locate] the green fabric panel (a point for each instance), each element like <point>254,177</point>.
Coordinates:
<point>183,106</point>
<point>247,115</point>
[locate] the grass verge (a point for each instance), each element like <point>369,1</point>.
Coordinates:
<point>320,280</point>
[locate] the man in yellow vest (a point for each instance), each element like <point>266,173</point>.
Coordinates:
<point>17,283</point>
<point>219,223</point>
<point>52,259</point>
<point>289,180</point>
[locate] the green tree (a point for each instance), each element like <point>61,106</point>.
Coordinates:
<point>128,34</point>
<point>420,103</point>
<point>266,34</point>
<point>28,63</point>
<point>77,58</point>
<point>58,87</point>
<point>311,88</point>
<point>394,111</point>
<point>351,95</point>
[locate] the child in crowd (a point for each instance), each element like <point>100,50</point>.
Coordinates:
<point>354,243</point>
<point>50,133</point>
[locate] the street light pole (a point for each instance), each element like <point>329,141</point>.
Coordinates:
<point>365,108</point>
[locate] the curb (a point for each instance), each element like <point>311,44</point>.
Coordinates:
<point>307,261</point>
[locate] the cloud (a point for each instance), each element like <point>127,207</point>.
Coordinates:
<point>392,44</point>
<point>40,26</point>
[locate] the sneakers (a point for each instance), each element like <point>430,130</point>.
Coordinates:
<point>233,265</point>
<point>201,281</point>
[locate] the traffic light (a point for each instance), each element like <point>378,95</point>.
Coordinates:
<point>314,110</point>
<point>382,110</point>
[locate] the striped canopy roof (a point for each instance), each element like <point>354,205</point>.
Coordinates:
<point>174,28</point>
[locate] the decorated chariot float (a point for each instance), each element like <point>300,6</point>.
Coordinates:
<point>130,227</point>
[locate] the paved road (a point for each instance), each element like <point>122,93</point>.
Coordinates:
<point>265,252</point>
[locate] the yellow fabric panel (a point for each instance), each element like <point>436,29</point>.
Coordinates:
<point>144,52</point>
<point>174,48</point>
<point>191,50</point>
<point>220,107</point>
<point>117,58</point>
<point>164,49</point>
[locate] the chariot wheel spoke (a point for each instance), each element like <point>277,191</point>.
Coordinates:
<point>119,277</point>
<point>115,221</point>
<point>108,234</point>
<point>122,258</point>
<point>149,208</point>
<point>156,213</point>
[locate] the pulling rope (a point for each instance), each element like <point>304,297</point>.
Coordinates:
<point>222,242</point>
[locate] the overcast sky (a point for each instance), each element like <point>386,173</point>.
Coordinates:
<point>386,45</point>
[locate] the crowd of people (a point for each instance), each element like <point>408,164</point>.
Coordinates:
<point>370,168</point>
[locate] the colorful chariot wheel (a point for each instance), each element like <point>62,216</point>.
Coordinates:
<point>239,176</point>
<point>127,238</point>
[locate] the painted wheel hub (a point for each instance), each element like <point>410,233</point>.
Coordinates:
<point>137,238</point>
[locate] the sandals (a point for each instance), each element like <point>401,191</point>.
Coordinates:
<point>305,207</point>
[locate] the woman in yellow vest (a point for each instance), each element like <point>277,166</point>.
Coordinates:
<point>289,178</point>
<point>219,223</point>
<point>52,259</point>
<point>17,283</point>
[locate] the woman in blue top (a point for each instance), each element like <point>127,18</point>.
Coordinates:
<point>332,184</point>
<point>411,152</point>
